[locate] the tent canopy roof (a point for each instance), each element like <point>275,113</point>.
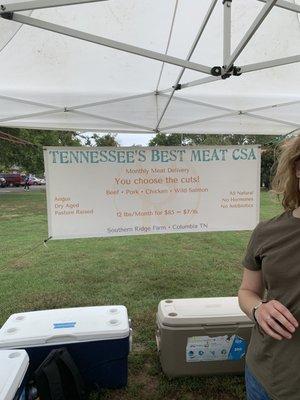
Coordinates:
<point>113,66</point>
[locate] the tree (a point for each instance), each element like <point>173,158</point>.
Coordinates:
<point>161,139</point>
<point>185,139</point>
<point>29,157</point>
<point>106,140</point>
<point>269,144</point>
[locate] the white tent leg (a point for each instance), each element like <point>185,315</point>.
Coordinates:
<point>270,64</point>
<point>226,31</point>
<point>199,34</point>
<point>38,4</point>
<point>109,43</point>
<point>251,31</point>
<point>286,5</point>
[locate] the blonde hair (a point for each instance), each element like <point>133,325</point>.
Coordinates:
<point>285,182</point>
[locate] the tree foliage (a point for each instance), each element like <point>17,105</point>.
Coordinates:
<point>30,157</point>
<point>106,140</point>
<point>269,144</point>
<point>162,139</point>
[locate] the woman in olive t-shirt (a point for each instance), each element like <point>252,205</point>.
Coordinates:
<point>270,290</point>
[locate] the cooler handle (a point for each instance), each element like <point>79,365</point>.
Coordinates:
<point>232,328</point>
<point>157,338</point>
<point>130,335</point>
<point>61,338</point>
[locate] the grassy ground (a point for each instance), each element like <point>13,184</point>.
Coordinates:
<point>135,271</point>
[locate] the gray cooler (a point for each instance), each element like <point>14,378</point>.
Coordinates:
<point>206,336</point>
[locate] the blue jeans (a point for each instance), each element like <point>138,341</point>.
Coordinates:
<point>254,389</point>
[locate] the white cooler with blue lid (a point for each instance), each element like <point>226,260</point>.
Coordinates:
<point>202,336</point>
<point>13,367</point>
<point>98,339</point>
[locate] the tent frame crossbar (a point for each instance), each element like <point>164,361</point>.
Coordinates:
<point>145,129</point>
<point>285,5</point>
<point>111,101</point>
<point>117,121</point>
<point>40,4</point>
<point>227,68</point>
<point>8,11</point>
<point>25,116</point>
<point>28,102</point>
<point>250,33</point>
<point>197,82</point>
<point>290,103</point>
<point>270,64</point>
<point>106,42</point>
<point>279,62</point>
<point>234,113</point>
<point>279,121</point>
<point>200,103</point>
<point>190,53</point>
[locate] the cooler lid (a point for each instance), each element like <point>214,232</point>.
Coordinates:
<point>62,326</point>
<point>13,366</point>
<point>201,311</point>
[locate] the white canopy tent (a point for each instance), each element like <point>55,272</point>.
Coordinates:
<point>144,66</point>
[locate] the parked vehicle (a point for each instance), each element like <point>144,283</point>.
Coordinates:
<point>2,182</point>
<point>33,181</point>
<point>12,179</point>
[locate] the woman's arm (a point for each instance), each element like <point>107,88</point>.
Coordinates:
<point>273,317</point>
<point>251,291</point>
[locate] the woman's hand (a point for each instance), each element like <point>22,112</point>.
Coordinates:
<point>276,320</point>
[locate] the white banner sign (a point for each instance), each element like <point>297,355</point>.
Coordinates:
<point>132,191</point>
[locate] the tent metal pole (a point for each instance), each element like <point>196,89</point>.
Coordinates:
<point>200,103</point>
<point>168,43</point>
<point>248,68</point>
<point>45,113</point>
<point>199,121</point>
<point>117,121</point>
<point>226,31</point>
<point>290,103</point>
<point>37,114</point>
<point>38,4</point>
<point>279,121</point>
<point>109,43</point>
<point>286,5</point>
<point>194,45</point>
<point>251,31</point>
<point>29,102</point>
<point>199,82</point>
<point>111,101</point>
<point>270,64</point>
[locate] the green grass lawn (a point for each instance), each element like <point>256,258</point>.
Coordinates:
<point>135,271</point>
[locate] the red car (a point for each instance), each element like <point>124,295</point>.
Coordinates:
<point>12,179</point>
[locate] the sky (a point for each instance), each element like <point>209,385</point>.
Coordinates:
<point>128,139</point>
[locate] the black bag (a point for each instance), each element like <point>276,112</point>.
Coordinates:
<point>58,378</point>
